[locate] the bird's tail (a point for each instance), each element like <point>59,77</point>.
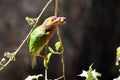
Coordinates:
<point>33,61</point>
<point>34,57</point>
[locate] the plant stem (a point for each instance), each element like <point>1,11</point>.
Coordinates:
<point>45,73</point>
<point>59,36</point>
<point>56,8</point>
<point>63,66</point>
<point>61,77</point>
<point>44,9</point>
<point>46,67</point>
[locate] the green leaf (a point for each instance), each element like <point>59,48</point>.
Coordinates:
<point>57,45</point>
<point>3,60</point>
<point>90,74</point>
<point>50,49</point>
<point>47,61</point>
<point>9,55</point>
<point>118,51</point>
<point>118,78</point>
<point>118,56</point>
<point>31,21</point>
<point>34,77</point>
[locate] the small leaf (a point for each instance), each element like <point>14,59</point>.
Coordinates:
<point>31,21</point>
<point>9,55</point>
<point>50,49</point>
<point>34,77</point>
<point>118,51</point>
<point>90,74</point>
<point>57,46</point>
<point>118,78</point>
<point>3,60</point>
<point>118,56</point>
<point>84,74</point>
<point>95,74</point>
<point>47,61</point>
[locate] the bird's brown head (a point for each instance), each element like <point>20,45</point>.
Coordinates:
<point>53,20</point>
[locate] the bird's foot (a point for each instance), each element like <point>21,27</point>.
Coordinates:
<point>44,57</point>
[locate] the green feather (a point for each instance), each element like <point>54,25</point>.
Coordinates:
<point>37,40</point>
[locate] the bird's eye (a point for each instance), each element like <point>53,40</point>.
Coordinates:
<point>52,20</point>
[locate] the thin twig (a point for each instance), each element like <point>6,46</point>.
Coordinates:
<point>61,77</point>
<point>59,36</point>
<point>44,9</point>
<point>45,73</point>
<point>46,67</point>
<point>56,8</point>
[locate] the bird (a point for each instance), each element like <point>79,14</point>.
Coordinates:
<point>41,35</point>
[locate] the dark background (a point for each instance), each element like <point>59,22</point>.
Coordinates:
<point>91,35</point>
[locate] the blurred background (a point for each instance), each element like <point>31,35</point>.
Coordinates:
<point>91,35</point>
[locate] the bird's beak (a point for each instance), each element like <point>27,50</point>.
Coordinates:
<point>60,20</point>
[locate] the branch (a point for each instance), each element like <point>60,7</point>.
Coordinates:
<point>59,37</point>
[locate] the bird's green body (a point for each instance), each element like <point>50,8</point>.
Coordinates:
<point>37,39</point>
<point>40,37</point>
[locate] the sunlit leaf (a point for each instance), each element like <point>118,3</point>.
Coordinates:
<point>34,77</point>
<point>90,74</point>
<point>57,46</point>
<point>118,56</point>
<point>9,55</point>
<point>31,21</point>
<point>117,78</point>
<point>47,61</point>
<point>3,60</point>
<point>50,49</point>
<point>84,74</point>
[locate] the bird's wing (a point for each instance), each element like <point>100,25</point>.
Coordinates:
<point>37,40</point>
